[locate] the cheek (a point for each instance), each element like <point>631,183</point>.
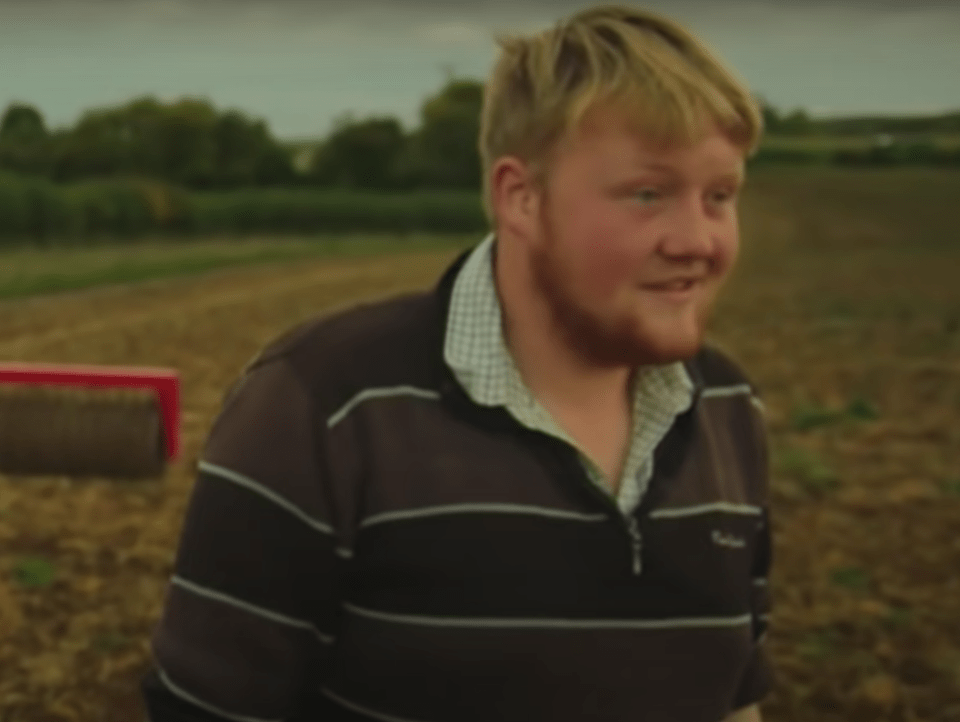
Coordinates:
<point>603,255</point>
<point>727,250</point>
<point>616,269</point>
<point>603,269</point>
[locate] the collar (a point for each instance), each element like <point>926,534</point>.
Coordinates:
<point>475,351</point>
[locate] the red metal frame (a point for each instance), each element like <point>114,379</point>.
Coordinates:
<point>164,382</point>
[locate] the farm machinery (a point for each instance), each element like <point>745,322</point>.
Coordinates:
<point>88,421</point>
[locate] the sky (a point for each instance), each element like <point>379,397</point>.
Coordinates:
<point>301,64</point>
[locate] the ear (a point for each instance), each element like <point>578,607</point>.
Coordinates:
<point>515,197</point>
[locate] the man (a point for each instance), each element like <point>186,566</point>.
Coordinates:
<point>530,493</point>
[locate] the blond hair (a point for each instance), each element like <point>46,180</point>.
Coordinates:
<point>672,88</point>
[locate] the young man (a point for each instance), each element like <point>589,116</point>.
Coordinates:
<point>530,493</point>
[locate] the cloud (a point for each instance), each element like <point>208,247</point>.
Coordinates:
<point>336,9</point>
<point>453,32</point>
<point>302,62</point>
<point>436,23</point>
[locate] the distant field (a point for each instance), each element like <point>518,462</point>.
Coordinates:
<point>36,271</point>
<point>853,202</point>
<point>852,209</point>
<point>843,142</point>
<point>815,142</point>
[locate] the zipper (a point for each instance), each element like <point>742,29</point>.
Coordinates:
<point>629,522</point>
<point>563,457</point>
<point>636,543</point>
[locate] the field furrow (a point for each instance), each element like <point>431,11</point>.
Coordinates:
<point>850,329</point>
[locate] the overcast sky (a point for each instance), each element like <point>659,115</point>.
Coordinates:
<point>301,63</point>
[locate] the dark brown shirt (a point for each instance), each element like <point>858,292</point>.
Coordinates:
<point>364,542</point>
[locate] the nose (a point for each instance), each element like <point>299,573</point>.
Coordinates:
<point>691,232</point>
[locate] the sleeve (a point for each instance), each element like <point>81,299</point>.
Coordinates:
<point>758,677</point>
<point>250,612</point>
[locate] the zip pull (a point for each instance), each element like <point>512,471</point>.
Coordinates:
<point>636,544</point>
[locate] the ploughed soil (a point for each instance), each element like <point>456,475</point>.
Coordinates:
<point>848,321</point>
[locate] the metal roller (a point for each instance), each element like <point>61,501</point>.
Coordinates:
<point>78,421</point>
<point>72,432</point>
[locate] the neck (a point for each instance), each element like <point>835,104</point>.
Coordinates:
<point>556,372</point>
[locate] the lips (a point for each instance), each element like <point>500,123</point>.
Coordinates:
<point>678,284</point>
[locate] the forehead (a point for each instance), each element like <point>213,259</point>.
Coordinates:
<point>609,139</point>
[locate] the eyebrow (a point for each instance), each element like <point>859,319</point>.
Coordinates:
<point>738,174</point>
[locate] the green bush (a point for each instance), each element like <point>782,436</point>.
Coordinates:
<point>38,211</point>
<point>109,209</point>
<point>312,211</point>
<point>789,156</point>
<point>14,209</point>
<point>920,153</point>
<point>34,209</point>
<point>49,214</point>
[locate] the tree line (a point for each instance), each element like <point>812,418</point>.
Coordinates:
<point>187,143</point>
<point>798,123</point>
<point>191,144</point>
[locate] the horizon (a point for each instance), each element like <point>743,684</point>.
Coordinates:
<point>383,57</point>
<point>313,138</point>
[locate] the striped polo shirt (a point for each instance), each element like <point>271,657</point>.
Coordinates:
<point>365,541</point>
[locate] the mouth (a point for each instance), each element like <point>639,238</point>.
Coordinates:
<point>681,289</point>
<point>681,284</point>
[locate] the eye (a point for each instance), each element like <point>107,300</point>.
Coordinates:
<point>647,195</point>
<point>724,196</point>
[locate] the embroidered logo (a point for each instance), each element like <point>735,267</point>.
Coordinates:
<point>727,540</point>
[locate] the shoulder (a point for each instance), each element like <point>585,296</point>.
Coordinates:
<point>719,372</point>
<point>389,342</point>
<point>731,406</point>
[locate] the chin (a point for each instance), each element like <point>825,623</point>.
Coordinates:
<point>668,350</point>
<point>668,342</point>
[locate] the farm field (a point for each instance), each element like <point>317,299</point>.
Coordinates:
<point>31,271</point>
<point>845,309</point>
